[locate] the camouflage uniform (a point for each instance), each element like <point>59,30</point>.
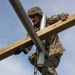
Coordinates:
<point>54,49</point>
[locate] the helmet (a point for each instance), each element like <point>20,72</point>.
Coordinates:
<point>34,10</point>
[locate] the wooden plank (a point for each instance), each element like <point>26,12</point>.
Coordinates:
<point>57,27</point>
<point>44,33</point>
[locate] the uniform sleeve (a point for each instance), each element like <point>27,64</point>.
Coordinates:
<point>53,19</point>
<point>63,16</point>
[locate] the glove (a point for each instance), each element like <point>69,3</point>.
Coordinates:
<point>64,16</point>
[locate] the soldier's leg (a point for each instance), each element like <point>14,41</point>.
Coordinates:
<point>50,64</point>
<point>49,71</point>
<point>32,58</point>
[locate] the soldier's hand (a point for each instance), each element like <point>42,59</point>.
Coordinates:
<point>64,16</point>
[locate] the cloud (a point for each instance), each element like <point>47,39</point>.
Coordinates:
<point>13,66</point>
<point>11,30</point>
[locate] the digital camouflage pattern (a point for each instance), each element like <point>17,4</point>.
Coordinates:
<point>34,10</point>
<point>54,48</point>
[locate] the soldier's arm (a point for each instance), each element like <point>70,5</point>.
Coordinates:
<point>53,19</point>
<point>63,16</point>
<point>26,50</point>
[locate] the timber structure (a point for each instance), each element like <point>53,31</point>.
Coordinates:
<point>41,35</point>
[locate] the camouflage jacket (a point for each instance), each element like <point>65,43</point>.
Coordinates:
<point>53,44</point>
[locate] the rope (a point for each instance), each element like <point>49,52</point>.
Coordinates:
<point>35,64</point>
<point>35,70</point>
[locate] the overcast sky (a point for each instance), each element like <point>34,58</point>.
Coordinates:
<point>11,30</point>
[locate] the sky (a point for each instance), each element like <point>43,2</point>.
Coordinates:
<point>12,30</point>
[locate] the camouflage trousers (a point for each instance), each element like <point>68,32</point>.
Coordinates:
<point>51,62</point>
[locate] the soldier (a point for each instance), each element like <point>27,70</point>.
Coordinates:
<point>53,46</point>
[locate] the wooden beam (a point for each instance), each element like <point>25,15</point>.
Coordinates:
<point>44,33</point>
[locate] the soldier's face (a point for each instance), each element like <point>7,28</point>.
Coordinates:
<point>35,19</point>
